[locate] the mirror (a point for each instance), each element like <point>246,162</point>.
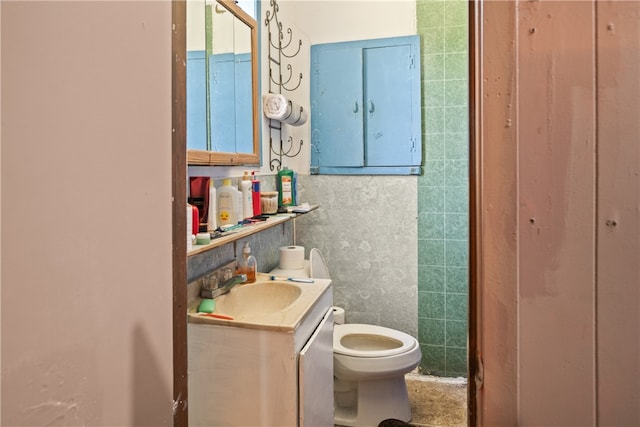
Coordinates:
<point>222,92</point>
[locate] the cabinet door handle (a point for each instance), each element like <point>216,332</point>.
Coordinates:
<point>355,106</point>
<point>371,107</point>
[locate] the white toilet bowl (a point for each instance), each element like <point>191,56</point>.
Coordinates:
<point>369,364</point>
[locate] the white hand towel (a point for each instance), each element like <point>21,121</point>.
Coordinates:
<point>278,107</point>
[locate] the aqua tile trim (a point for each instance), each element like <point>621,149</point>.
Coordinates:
<point>433,40</point>
<point>443,208</point>
<point>431,279</point>
<point>433,66</point>
<point>455,66</point>
<point>455,307</point>
<point>434,142</point>
<point>431,225</point>
<point>456,146</point>
<point>434,173</point>
<point>431,199</point>
<point>455,333</point>
<point>434,360</point>
<point>456,199</point>
<point>431,305</point>
<point>455,39</point>
<point>434,119</point>
<point>456,12</point>
<point>431,252</point>
<point>456,279</point>
<point>456,226</point>
<point>430,14</point>
<point>456,361</point>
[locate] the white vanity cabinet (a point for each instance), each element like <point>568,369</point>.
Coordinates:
<point>262,375</point>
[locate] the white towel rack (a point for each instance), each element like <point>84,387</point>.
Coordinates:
<point>278,55</point>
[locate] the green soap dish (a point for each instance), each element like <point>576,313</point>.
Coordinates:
<point>206,306</point>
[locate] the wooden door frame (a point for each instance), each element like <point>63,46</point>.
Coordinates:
<point>179,209</point>
<point>178,192</point>
<point>474,373</point>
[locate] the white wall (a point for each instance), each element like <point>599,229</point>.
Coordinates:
<point>86,213</point>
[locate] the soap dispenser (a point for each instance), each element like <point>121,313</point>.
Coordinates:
<point>248,265</point>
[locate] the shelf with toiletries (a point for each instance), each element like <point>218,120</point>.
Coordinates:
<point>237,232</point>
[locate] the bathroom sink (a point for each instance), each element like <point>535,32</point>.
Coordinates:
<point>257,299</point>
<point>265,304</point>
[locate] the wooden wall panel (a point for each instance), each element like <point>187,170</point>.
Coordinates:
<point>556,192</point>
<point>496,189</point>
<point>618,270</point>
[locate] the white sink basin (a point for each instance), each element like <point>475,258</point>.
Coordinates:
<point>257,299</point>
<point>265,304</point>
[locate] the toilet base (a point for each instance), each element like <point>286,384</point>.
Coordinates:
<point>367,403</point>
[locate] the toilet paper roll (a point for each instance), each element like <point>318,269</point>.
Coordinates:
<point>338,315</point>
<point>291,257</point>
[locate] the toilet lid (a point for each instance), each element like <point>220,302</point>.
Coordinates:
<point>360,340</point>
<point>317,265</point>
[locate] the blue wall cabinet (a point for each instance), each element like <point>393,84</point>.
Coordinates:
<point>230,102</point>
<point>221,101</point>
<point>196,101</point>
<point>366,107</point>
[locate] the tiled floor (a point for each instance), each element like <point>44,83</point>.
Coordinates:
<point>437,402</point>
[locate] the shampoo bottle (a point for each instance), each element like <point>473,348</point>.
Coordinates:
<point>247,197</point>
<point>227,203</point>
<point>212,215</point>
<point>248,265</point>
<point>285,187</point>
<point>255,193</point>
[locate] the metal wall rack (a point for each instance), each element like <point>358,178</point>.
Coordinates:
<point>278,58</point>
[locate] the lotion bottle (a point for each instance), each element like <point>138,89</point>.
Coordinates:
<point>249,265</point>
<point>227,203</point>
<point>247,197</point>
<point>212,215</point>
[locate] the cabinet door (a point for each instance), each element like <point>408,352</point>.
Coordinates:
<point>392,98</point>
<point>196,101</point>
<point>222,114</point>
<point>336,105</point>
<point>315,376</point>
<point>243,107</point>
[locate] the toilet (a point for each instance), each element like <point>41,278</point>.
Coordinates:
<point>369,364</point>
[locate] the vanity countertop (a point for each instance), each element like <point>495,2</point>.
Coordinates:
<point>251,312</point>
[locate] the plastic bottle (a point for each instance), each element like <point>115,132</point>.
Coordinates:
<point>227,203</point>
<point>239,216</point>
<point>189,227</point>
<point>195,221</point>
<point>248,265</point>
<point>255,193</point>
<point>212,215</point>
<point>247,196</point>
<point>285,188</point>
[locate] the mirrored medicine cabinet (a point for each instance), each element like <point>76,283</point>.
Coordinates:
<point>222,83</point>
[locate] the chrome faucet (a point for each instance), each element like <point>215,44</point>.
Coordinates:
<point>224,287</point>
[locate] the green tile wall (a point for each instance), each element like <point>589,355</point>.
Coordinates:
<point>443,213</point>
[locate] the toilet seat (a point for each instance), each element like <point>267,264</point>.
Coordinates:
<point>389,342</point>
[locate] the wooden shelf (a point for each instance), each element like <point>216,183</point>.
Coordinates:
<point>247,230</point>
